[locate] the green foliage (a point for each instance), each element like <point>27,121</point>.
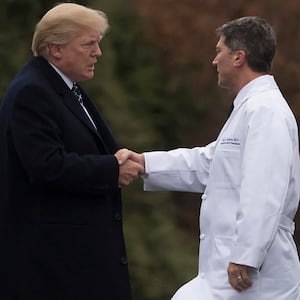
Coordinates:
<point>17,22</point>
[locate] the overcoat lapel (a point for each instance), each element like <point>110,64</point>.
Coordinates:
<point>71,102</point>
<point>102,129</point>
<point>79,112</point>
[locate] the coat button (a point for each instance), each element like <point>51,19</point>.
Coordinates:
<point>124,260</point>
<point>204,197</point>
<point>202,275</point>
<point>118,216</point>
<point>202,236</point>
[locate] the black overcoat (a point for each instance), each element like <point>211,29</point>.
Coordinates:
<point>61,233</point>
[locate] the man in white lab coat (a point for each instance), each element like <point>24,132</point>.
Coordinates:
<point>249,177</point>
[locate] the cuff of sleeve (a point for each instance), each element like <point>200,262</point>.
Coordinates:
<point>252,257</point>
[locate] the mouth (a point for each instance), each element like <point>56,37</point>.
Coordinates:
<point>91,67</point>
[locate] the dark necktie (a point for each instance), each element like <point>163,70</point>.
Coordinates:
<point>230,110</point>
<point>76,92</point>
<point>78,96</point>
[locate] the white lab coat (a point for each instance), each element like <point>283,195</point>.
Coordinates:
<point>250,180</point>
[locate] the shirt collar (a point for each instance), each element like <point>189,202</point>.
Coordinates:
<point>67,80</point>
<point>261,83</point>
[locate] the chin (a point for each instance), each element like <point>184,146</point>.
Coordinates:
<point>88,76</point>
<point>222,84</point>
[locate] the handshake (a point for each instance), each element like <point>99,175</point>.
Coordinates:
<point>131,166</point>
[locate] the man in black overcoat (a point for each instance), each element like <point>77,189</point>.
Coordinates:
<point>61,235</point>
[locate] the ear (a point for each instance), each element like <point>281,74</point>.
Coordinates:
<point>239,58</point>
<point>55,50</point>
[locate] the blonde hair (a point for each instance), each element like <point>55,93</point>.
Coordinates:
<point>64,22</point>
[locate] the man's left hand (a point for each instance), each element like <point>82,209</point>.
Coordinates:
<point>238,277</point>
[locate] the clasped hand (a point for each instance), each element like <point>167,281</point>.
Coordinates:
<point>131,166</point>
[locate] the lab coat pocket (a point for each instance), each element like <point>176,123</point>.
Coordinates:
<point>226,168</point>
<point>223,246</point>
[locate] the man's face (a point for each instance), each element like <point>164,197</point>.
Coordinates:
<point>224,63</point>
<point>79,56</point>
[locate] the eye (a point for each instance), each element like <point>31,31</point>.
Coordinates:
<point>89,44</point>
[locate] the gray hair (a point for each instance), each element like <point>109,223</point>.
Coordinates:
<point>254,36</point>
<point>64,22</point>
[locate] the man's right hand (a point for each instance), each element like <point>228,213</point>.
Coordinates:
<point>131,165</point>
<point>123,154</point>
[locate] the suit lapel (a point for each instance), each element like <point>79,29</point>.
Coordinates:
<point>103,131</point>
<point>78,111</point>
<point>74,106</point>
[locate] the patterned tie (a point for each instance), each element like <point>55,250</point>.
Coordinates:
<point>76,92</point>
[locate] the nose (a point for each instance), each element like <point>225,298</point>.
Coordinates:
<point>98,51</point>
<point>214,62</point>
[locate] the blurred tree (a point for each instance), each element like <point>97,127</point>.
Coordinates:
<point>184,33</point>
<point>17,19</point>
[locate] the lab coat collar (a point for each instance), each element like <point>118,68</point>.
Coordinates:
<point>259,84</point>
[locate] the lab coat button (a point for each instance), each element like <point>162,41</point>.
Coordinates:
<point>204,197</point>
<point>202,275</point>
<point>202,236</point>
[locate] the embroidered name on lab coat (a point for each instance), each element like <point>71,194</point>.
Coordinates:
<point>230,141</point>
